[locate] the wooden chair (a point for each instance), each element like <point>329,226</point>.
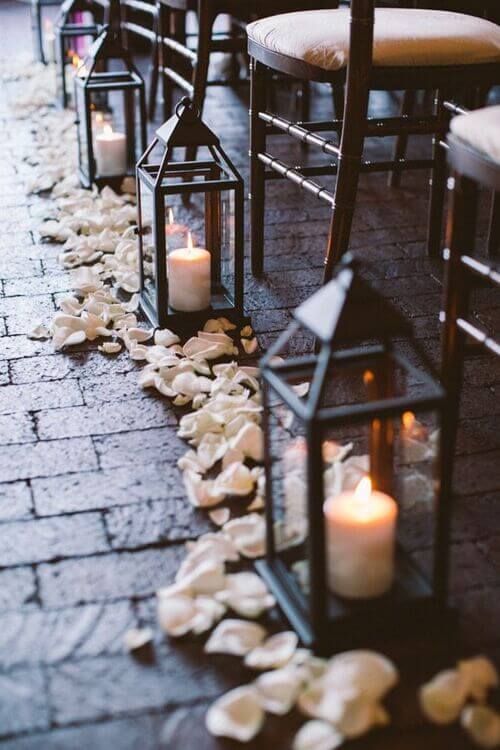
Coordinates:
<point>410,49</point>
<point>183,66</point>
<point>140,18</point>
<point>486,9</point>
<point>473,149</point>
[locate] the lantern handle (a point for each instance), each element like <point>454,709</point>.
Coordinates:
<point>185,105</point>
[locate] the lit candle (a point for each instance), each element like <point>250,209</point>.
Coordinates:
<point>98,121</point>
<point>172,227</point>
<point>189,278</point>
<point>50,39</point>
<point>414,439</point>
<point>360,533</point>
<point>110,152</point>
<point>79,67</point>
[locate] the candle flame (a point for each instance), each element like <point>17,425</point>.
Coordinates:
<point>99,118</point>
<point>408,419</point>
<point>368,377</point>
<point>171,217</point>
<point>189,242</point>
<point>107,130</point>
<point>75,61</point>
<point>363,490</point>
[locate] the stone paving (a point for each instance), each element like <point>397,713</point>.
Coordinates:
<point>92,511</point>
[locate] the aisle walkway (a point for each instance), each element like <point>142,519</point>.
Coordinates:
<point>92,510</point>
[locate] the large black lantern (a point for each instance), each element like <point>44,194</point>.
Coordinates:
<point>355,472</point>
<point>110,112</point>
<point>190,226</point>
<point>76,26</point>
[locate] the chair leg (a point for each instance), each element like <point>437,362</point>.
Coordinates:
<point>342,213</point>
<point>164,56</point>
<point>338,101</point>
<point>154,74</point>
<point>494,228</point>
<point>460,232</point>
<point>438,181</point>
<point>257,178</point>
<point>205,24</point>
<point>305,101</point>
<point>407,108</point>
<point>235,65</point>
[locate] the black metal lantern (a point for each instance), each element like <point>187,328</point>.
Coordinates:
<point>69,33</point>
<point>110,112</point>
<point>339,552</point>
<point>190,226</point>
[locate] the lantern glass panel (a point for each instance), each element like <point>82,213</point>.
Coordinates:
<point>209,218</point>
<point>146,257</point>
<point>72,47</point>
<point>110,123</point>
<point>83,141</point>
<point>288,476</point>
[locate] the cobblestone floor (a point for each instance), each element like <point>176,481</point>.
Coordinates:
<point>92,512</point>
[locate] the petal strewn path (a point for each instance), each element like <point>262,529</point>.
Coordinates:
<point>93,514</point>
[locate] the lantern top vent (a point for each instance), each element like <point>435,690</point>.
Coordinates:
<point>186,128</point>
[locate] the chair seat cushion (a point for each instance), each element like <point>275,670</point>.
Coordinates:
<point>480,130</point>
<point>402,37</point>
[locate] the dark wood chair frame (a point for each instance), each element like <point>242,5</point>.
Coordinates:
<point>483,8</point>
<point>187,68</point>
<point>462,272</point>
<point>133,13</point>
<point>360,77</point>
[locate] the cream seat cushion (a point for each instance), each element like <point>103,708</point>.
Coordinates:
<point>481,130</point>
<point>402,37</point>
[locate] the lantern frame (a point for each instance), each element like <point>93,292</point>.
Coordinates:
<point>323,620</point>
<point>64,30</point>
<point>210,176</point>
<point>108,47</point>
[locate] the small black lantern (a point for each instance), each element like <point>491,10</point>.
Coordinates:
<point>69,34</point>
<point>350,470</point>
<point>110,112</point>
<point>190,226</point>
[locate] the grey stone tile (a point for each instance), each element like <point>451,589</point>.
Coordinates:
<point>19,398</point>
<point>52,636</point>
<point>15,501</point>
<point>23,542</point>
<point>46,459</point>
<point>24,706</point>
<point>106,577</point>
<point>104,489</point>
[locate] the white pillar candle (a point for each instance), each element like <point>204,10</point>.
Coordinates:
<point>360,542</point>
<point>50,41</point>
<point>189,278</point>
<point>110,152</point>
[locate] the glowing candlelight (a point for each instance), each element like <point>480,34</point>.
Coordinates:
<point>360,534</point>
<point>110,152</point>
<point>189,277</point>
<point>50,39</point>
